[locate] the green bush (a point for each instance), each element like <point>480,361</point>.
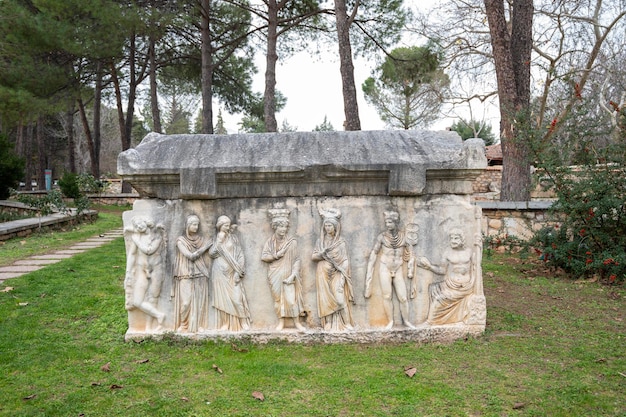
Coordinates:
<point>69,185</point>
<point>590,239</point>
<point>76,186</point>
<point>88,184</point>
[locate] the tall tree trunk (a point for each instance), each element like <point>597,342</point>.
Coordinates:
<point>154,100</point>
<point>125,139</point>
<point>511,52</point>
<point>71,140</point>
<point>119,106</point>
<point>88,132</point>
<point>132,91</point>
<point>271,58</point>
<point>350,105</point>
<point>207,68</point>
<point>41,154</point>
<point>97,113</point>
<point>29,138</point>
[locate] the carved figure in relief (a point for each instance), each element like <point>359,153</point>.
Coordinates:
<point>332,276</point>
<point>395,251</point>
<point>280,252</point>
<point>227,272</point>
<point>144,268</point>
<point>190,289</point>
<point>450,298</point>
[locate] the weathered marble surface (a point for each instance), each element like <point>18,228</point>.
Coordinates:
<point>424,177</point>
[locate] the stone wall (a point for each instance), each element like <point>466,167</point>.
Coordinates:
<point>488,181</point>
<point>513,219</point>
<point>17,208</point>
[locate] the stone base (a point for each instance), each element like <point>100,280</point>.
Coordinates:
<point>421,334</point>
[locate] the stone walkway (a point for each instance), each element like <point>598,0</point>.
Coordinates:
<point>36,262</point>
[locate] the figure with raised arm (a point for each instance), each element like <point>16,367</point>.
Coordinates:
<point>450,298</point>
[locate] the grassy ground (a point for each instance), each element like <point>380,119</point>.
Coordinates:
<point>552,348</point>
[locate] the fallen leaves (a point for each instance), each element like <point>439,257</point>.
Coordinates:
<point>218,369</point>
<point>7,289</point>
<point>106,367</point>
<point>518,406</point>
<point>140,361</point>
<point>115,386</point>
<point>29,397</point>
<point>237,348</point>
<point>410,371</point>
<point>258,395</point>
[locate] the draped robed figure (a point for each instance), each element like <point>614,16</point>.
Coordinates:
<point>190,289</point>
<point>227,272</point>
<point>332,277</point>
<point>281,254</point>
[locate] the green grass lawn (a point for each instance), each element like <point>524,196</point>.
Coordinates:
<point>552,348</point>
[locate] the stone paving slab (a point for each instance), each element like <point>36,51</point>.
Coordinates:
<point>52,256</point>
<point>70,251</point>
<point>20,268</point>
<point>42,262</point>
<point>86,246</point>
<point>8,275</point>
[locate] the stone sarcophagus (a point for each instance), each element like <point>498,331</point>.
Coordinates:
<point>318,236</point>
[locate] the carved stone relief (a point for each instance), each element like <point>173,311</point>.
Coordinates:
<point>227,273</point>
<point>419,273</point>
<point>394,256</point>
<point>190,288</point>
<point>144,273</point>
<point>281,254</point>
<point>450,297</point>
<point>335,293</point>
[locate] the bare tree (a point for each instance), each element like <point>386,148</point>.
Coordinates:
<point>543,71</point>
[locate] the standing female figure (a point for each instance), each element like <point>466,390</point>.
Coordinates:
<point>191,280</point>
<point>280,252</point>
<point>227,271</point>
<point>332,277</point>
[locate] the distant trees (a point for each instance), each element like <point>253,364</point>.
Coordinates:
<point>325,126</point>
<point>474,129</point>
<point>408,88</point>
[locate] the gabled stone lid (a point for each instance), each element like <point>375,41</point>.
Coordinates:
<point>294,163</point>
